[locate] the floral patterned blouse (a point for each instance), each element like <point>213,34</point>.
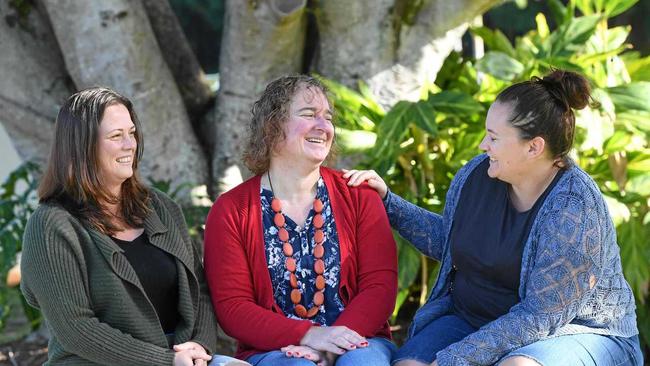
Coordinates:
<point>302,240</point>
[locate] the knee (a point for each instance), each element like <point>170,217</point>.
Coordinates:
<point>519,361</point>
<point>410,363</point>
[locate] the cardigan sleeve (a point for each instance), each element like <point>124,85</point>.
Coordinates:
<point>565,268</point>
<point>376,254</point>
<point>422,228</point>
<point>205,325</point>
<point>52,266</point>
<point>232,289</point>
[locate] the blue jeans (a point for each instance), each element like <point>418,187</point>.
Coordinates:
<point>576,349</point>
<point>220,360</point>
<point>378,353</point>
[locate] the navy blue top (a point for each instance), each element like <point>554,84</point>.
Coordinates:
<point>487,241</point>
<point>302,241</point>
<point>158,275</point>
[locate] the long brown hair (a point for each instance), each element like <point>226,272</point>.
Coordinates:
<point>71,178</point>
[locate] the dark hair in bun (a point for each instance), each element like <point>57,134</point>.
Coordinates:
<point>544,107</point>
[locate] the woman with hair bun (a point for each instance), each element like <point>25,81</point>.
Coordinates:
<point>530,269</point>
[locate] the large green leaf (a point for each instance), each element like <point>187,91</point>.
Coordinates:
<point>638,67</point>
<point>639,185</point>
<point>633,236</point>
<point>392,128</point>
<point>574,33</point>
<point>635,121</point>
<point>633,96</point>
<point>495,40</point>
<point>408,263</point>
<point>616,7</point>
<point>423,115</point>
<point>500,65</point>
<point>559,11</point>
<point>454,102</point>
<point>617,142</point>
<point>638,163</point>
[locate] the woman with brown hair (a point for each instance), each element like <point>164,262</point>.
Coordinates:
<point>108,260</point>
<point>301,267</point>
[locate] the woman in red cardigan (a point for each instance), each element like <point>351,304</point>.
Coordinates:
<point>302,268</point>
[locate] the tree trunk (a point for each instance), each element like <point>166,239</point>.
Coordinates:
<point>34,82</point>
<point>180,58</point>
<point>262,40</point>
<point>394,46</point>
<point>111,43</point>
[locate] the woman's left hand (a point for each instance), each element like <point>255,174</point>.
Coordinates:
<point>318,357</point>
<point>192,346</point>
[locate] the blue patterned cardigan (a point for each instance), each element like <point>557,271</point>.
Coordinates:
<point>571,275</point>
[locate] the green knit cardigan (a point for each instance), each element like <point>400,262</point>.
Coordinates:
<point>91,298</point>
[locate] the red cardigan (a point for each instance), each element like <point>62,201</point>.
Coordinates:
<point>239,281</point>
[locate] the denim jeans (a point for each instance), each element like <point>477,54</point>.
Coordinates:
<point>220,360</point>
<point>378,353</point>
<point>577,349</point>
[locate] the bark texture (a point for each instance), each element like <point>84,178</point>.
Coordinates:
<point>262,40</point>
<point>34,81</point>
<point>111,43</point>
<point>180,58</point>
<point>394,46</point>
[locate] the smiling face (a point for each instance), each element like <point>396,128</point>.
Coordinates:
<point>309,131</point>
<point>507,151</point>
<point>116,147</point>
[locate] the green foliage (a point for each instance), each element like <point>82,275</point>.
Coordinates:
<point>421,145</point>
<point>17,202</point>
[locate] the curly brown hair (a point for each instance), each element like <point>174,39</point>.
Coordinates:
<point>270,113</point>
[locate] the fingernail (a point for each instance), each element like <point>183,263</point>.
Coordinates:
<point>289,353</point>
<point>298,354</point>
<point>364,343</point>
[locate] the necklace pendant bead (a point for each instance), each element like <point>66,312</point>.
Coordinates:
<point>287,249</point>
<point>319,251</point>
<point>296,296</point>
<point>319,298</point>
<point>318,221</point>
<point>319,236</point>
<point>283,234</point>
<point>319,266</point>
<point>312,312</point>
<point>318,205</point>
<point>293,281</point>
<point>278,219</point>
<point>290,263</point>
<point>300,311</point>
<point>320,282</point>
<point>276,206</point>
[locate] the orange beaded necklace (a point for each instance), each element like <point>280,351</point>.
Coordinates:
<point>290,264</point>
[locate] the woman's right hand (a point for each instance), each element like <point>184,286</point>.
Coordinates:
<point>191,357</point>
<point>356,177</point>
<point>337,339</point>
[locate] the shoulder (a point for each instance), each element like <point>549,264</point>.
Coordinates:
<point>467,169</point>
<point>360,195</point>
<point>576,185</point>
<point>51,216</point>
<point>160,200</point>
<point>238,200</point>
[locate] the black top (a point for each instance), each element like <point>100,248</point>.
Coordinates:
<point>487,241</point>
<point>157,272</point>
